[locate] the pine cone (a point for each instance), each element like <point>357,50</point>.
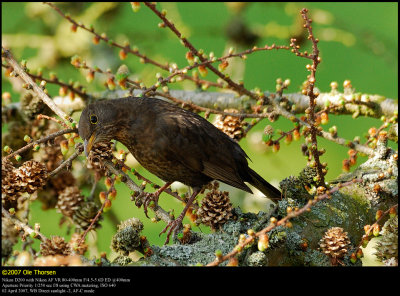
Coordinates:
<point>31,176</point>
<point>307,176</point>
<point>335,244</point>
<point>56,245</point>
<point>69,201</point>
<point>52,157</point>
<point>215,209</point>
<point>127,239</point>
<point>32,105</point>
<point>9,188</point>
<point>6,167</point>
<point>230,125</point>
<point>100,151</point>
<point>84,214</point>
<point>62,180</point>
<point>388,245</point>
<point>49,195</point>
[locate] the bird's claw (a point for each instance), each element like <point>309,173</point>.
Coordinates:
<point>148,198</point>
<point>174,225</point>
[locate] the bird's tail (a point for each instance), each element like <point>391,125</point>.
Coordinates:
<point>262,185</point>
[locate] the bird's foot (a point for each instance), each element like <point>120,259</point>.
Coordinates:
<point>174,226</point>
<point>148,198</point>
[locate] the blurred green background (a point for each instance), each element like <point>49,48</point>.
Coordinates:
<point>358,41</point>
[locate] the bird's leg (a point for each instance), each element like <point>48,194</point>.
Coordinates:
<point>174,224</point>
<point>153,197</point>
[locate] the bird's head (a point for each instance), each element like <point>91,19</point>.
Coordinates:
<point>97,124</point>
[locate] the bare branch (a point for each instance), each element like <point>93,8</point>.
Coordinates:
<point>6,54</point>
<point>25,227</point>
<point>42,140</point>
<point>68,162</point>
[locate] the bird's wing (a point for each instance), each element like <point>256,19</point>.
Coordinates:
<point>203,148</point>
<point>227,176</point>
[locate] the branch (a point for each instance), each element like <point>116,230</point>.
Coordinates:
<point>368,233</point>
<point>158,211</point>
<point>377,104</point>
<point>365,104</point>
<point>229,100</point>
<point>309,91</point>
<point>54,79</point>
<point>68,162</point>
<point>26,228</point>
<point>42,140</point>
<point>125,48</point>
<point>6,54</point>
<point>232,85</point>
<point>364,149</point>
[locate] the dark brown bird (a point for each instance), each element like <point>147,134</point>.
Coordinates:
<point>173,144</point>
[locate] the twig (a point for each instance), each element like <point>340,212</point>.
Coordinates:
<point>56,81</point>
<point>41,116</point>
<point>234,86</point>
<point>92,191</point>
<point>252,124</point>
<point>140,177</point>
<point>126,48</point>
<point>206,62</point>
<point>79,64</point>
<point>99,212</point>
<point>158,211</point>
<point>310,111</point>
<point>68,162</point>
<point>326,135</point>
<point>207,101</point>
<point>41,140</point>
<point>6,54</point>
<point>106,39</point>
<point>284,134</point>
<point>228,100</point>
<point>371,228</point>
<point>347,143</point>
<point>155,186</point>
<point>26,228</point>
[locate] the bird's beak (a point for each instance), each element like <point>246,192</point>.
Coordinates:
<point>88,144</point>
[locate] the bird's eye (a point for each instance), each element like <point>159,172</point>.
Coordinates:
<point>93,119</point>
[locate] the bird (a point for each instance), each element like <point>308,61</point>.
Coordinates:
<point>172,143</point>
